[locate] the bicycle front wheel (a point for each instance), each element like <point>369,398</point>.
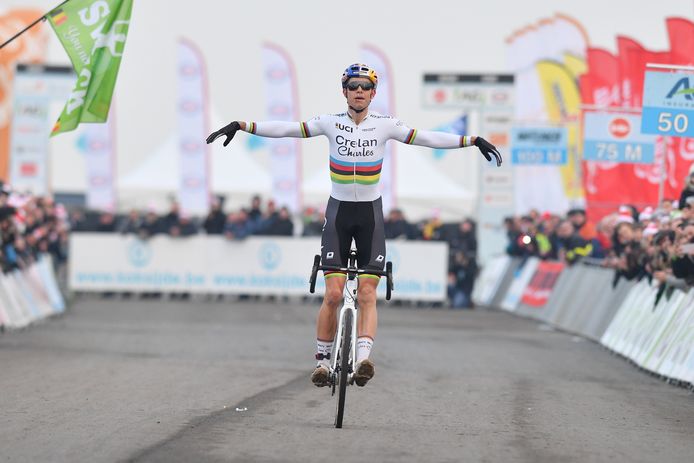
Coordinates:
<point>343,363</point>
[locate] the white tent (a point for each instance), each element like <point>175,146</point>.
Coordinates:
<point>234,173</point>
<point>422,190</point>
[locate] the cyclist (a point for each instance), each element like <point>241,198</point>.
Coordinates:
<point>357,139</point>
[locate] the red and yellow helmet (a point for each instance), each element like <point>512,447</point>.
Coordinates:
<point>359,70</point>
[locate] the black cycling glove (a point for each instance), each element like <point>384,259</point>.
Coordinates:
<point>487,148</point>
<point>228,130</point>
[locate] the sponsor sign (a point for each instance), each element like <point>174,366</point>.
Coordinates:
<point>468,91</point>
<point>272,266</point>
<point>539,289</point>
<point>539,145</point>
<point>668,104</point>
<point>615,137</point>
<point>495,199</point>
<point>36,88</point>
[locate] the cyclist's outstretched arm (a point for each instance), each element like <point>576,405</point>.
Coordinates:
<point>271,129</point>
<point>444,140</point>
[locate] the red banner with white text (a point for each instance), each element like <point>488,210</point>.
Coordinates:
<point>539,289</point>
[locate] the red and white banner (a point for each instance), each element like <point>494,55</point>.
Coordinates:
<point>681,35</point>
<point>282,105</point>
<point>539,289</point>
<point>383,103</point>
<point>193,127</point>
<point>609,184</point>
<point>618,81</point>
<point>97,141</point>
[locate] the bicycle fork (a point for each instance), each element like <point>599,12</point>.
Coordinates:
<point>349,305</point>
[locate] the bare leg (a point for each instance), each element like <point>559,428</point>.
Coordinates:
<point>327,315</point>
<point>368,317</point>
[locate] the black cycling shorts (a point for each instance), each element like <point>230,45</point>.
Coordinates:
<point>362,221</point>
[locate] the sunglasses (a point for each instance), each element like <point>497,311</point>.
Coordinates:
<point>366,86</point>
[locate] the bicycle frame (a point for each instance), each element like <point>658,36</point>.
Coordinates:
<point>349,303</point>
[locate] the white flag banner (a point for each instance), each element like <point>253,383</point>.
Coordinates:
<point>549,39</point>
<point>282,105</point>
<point>383,103</point>
<point>96,141</point>
<point>572,37</point>
<point>193,127</point>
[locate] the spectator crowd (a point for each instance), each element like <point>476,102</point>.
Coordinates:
<point>657,244</point>
<point>30,226</point>
<point>256,220</point>
<point>653,243</point>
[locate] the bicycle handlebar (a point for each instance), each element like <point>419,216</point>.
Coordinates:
<point>388,273</point>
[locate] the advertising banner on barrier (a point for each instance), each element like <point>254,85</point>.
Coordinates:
<point>662,338</point>
<point>257,265</point>
<point>615,137</point>
<point>520,280</point>
<point>489,280</point>
<point>668,104</point>
<point>539,145</point>
<point>542,283</point>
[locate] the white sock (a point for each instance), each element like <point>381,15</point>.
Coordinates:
<point>364,345</point>
<point>325,348</point>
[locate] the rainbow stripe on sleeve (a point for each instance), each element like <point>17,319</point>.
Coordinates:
<point>364,173</point>
<point>304,130</point>
<point>251,127</point>
<point>411,136</point>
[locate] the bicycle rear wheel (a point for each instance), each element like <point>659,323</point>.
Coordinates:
<point>343,363</point>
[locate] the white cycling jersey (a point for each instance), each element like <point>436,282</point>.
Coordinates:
<point>356,151</point>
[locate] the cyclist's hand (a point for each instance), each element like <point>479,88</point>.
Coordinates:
<point>488,150</point>
<point>228,130</point>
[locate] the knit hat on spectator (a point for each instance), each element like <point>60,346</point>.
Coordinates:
<point>624,215</point>
<point>651,229</point>
<point>646,214</point>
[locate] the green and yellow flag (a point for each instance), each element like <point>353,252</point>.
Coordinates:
<point>93,33</point>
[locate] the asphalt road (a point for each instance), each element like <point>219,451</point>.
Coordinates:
<point>204,381</point>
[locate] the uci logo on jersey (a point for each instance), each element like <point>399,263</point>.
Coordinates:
<point>346,128</point>
<point>682,88</point>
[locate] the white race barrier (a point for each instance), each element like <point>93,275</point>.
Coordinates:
<point>490,279</point>
<point>657,337</point>
<point>521,278</point>
<point>29,295</point>
<point>257,265</point>
<point>626,319</point>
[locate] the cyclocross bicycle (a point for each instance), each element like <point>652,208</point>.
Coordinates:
<point>345,345</point>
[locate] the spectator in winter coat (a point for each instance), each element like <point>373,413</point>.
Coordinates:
<point>214,222</point>
<point>688,190</point>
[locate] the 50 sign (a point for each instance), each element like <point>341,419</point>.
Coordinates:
<point>669,122</point>
<point>668,104</point>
